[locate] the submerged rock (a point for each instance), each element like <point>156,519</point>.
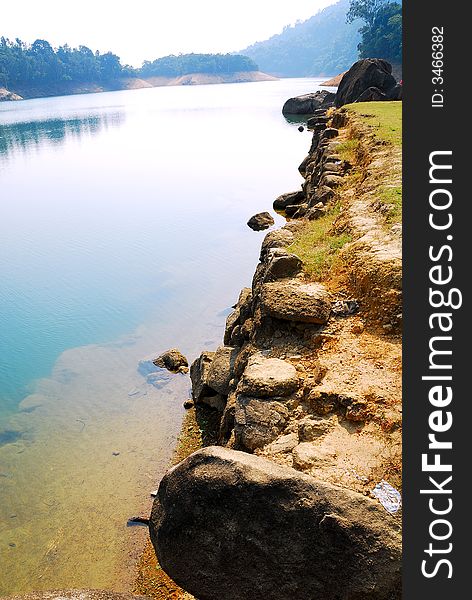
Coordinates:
<point>231,525</point>
<point>261,221</point>
<point>172,360</point>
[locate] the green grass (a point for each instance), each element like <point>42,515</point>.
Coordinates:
<point>317,245</point>
<point>385,119</point>
<point>393,196</point>
<point>347,149</point>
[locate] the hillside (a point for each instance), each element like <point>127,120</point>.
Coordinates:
<point>38,70</point>
<point>323,45</point>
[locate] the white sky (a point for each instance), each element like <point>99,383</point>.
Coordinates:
<point>146,29</point>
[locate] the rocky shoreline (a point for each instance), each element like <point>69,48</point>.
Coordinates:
<point>307,387</point>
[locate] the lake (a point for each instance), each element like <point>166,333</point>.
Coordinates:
<point>122,234</point>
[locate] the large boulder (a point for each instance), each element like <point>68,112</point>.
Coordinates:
<point>308,103</point>
<point>364,74</point>
<point>230,525</point>
<point>295,300</point>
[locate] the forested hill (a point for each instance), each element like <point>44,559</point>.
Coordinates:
<point>184,64</point>
<point>23,65</point>
<point>323,45</point>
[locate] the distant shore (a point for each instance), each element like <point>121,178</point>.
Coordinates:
<point>131,83</point>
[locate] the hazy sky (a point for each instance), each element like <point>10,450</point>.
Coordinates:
<point>146,29</point>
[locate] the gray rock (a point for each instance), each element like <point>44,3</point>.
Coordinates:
<point>284,200</point>
<point>268,377</point>
<point>332,181</point>
<point>280,238</point>
<point>333,167</point>
<point>396,93</point>
<point>364,74</point>
<point>323,194</point>
<point>302,210</point>
<point>233,526</point>
<point>317,120</point>
<point>372,94</point>
<point>199,376</point>
<point>282,264</point>
<point>295,300</point>
<point>316,212</point>
<point>308,103</point>
<point>221,369</point>
<point>291,209</point>
<point>258,422</point>
<point>213,400</point>
<point>235,319</point>
<point>261,221</point>
<point>329,133</point>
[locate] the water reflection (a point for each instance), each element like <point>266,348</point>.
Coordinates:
<point>23,136</point>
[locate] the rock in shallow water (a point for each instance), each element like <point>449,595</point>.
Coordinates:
<point>172,360</point>
<point>231,525</point>
<point>261,221</point>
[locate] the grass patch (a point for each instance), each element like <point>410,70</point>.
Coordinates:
<point>347,149</point>
<point>385,119</point>
<point>317,245</point>
<point>392,196</point>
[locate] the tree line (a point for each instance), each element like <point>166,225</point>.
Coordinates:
<point>23,65</point>
<point>183,64</point>
<point>381,34</point>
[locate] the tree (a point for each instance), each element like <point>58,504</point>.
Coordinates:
<point>381,36</point>
<point>365,10</point>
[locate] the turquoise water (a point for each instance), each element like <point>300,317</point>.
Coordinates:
<point>122,233</point>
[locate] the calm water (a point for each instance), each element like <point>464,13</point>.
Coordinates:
<point>122,233</point>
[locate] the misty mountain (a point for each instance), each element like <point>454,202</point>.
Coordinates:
<point>323,45</point>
